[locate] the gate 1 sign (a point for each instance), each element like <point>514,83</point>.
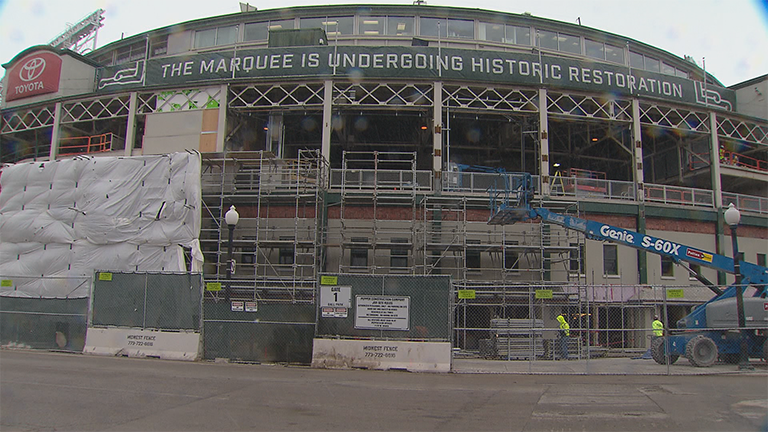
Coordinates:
<point>335,296</point>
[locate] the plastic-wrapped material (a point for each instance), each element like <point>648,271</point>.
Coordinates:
<point>69,217</point>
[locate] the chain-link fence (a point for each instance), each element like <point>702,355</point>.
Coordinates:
<point>157,301</point>
<point>43,323</point>
<point>409,308</point>
<point>610,328</point>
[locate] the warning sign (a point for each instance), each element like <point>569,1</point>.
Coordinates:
<point>382,312</point>
<point>238,306</point>
<point>334,312</point>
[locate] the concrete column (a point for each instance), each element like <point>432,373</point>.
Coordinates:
<point>130,129</point>
<point>221,129</point>
<point>543,143</point>
<point>325,146</point>
<point>437,138</point>
<point>56,133</point>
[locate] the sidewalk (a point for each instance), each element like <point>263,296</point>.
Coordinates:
<point>600,366</point>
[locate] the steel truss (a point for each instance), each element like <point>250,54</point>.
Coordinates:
<point>593,107</point>
<point>95,109</point>
<point>490,98</point>
<point>674,117</point>
<point>255,96</point>
<point>28,118</point>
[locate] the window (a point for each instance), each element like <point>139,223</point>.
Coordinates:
<point>594,49</point>
<point>504,33</point>
<point>761,259</point>
<point>614,54</point>
<point>493,33</point>
<point>216,36</point>
<point>400,26</point>
<point>681,73</point>
<point>511,256</point>
<point>474,261</point>
<point>158,46</point>
<point>694,268</point>
<point>667,267</point>
<point>667,69</point>
<point>451,28</point>
<point>372,25</point>
<point>636,60</point>
<point>652,64</point>
<point>610,260</point>
<point>132,52</point>
<point>260,30</point>
<point>287,252</point>
<point>569,43</point>
<point>333,26</point>
<point>398,257</point>
<point>547,39</point>
<point>522,35</point>
<point>358,256</point>
<point>576,258</point>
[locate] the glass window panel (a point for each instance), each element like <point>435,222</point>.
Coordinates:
<point>594,49</point>
<point>681,73</point>
<point>570,43</point>
<point>522,35</point>
<point>372,25</point>
<point>256,31</point>
<point>651,64</point>
<point>461,29</point>
<point>281,25</point>
<point>667,69</point>
<point>205,38</point>
<point>494,33</point>
<point>226,35</point>
<point>344,25</point>
<point>614,54</point>
<point>636,60</point>
<point>429,27</point>
<point>307,23</point>
<point>547,39</point>
<point>400,26</point>
<point>667,267</point>
<point>610,260</point>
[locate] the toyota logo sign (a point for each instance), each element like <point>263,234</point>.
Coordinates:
<point>35,74</point>
<point>32,69</point>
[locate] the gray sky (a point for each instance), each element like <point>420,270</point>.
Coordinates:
<point>732,35</point>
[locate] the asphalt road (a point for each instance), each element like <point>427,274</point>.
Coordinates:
<point>41,391</point>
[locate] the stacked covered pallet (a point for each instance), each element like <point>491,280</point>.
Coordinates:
<point>518,338</point>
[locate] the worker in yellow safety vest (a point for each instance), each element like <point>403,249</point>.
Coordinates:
<point>564,334</point>
<point>658,327</point>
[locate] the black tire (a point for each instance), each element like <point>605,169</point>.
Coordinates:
<point>701,351</point>
<point>730,358</point>
<point>658,350</point>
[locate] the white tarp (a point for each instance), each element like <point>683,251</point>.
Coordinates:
<point>69,217</point>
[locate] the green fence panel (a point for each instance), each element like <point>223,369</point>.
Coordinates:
<point>43,323</point>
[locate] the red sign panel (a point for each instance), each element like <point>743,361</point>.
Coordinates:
<point>35,74</point>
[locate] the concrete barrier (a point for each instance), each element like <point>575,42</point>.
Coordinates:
<point>143,343</point>
<point>382,355</point>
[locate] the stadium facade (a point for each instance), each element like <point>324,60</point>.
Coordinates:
<point>363,139</point>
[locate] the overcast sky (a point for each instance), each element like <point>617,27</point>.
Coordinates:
<point>731,34</point>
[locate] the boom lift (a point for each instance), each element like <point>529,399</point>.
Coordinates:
<point>704,335</point>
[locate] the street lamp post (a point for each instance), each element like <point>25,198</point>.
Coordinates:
<point>733,218</point>
<point>231,218</point>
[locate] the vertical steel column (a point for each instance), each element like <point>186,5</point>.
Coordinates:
<point>130,129</point>
<point>56,132</point>
<point>637,148</point>
<point>543,142</point>
<point>325,146</point>
<point>221,129</point>
<point>714,158</point>
<point>437,139</point>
